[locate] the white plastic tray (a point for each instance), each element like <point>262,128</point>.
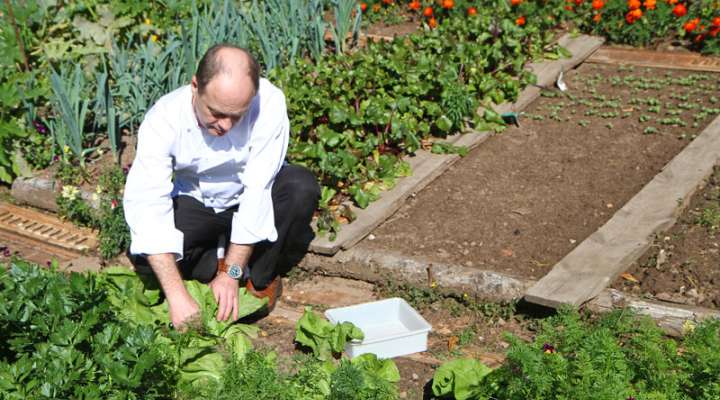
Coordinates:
<point>392,328</point>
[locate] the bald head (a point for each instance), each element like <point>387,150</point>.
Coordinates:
<point>233,64</point>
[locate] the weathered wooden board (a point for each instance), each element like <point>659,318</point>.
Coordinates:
<point>426,166</point>
<point>674,319</point>
<point>655,59</point>
<point>599,259</point>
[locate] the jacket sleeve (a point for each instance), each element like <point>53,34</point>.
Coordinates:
<point>147,200</point>
<point>254,220</point>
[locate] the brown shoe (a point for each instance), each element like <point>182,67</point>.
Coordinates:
<point>272,292</point>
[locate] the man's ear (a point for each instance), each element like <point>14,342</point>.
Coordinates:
<point>194,84</point>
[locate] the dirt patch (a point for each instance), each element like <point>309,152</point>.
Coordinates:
<point>683,264</point>
<point>392,30</point>
<point>525,198</point>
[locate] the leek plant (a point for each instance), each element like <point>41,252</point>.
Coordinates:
<point>286,29</point>
<point>105,113</point>
<point>70,100</point>
<point>345,23</point>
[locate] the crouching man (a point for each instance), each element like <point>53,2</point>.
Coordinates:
<point>209,196</point>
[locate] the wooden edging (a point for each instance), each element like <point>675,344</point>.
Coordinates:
<point>427,166</point>
<point>655,59</point>
<point>598,260</point>
<point>358,263</point>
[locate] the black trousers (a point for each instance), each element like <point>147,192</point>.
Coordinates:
<point>295,195</point>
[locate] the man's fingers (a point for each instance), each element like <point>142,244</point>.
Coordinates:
<point>235,308</point>
<point>222,304</point>
<point>215,292</point>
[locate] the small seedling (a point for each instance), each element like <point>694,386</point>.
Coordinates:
<point>650,130</point>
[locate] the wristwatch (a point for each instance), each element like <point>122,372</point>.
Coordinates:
<point>236,271</point>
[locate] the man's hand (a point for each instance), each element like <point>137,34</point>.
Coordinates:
<point>183,311</point>
<point>225,290</point>
<point>183,308</point>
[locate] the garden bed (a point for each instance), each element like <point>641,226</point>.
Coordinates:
<point>683,263</point>
<point>461,327</point>
<point>524,199</point>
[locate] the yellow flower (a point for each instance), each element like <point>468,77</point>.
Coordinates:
<point>433,285</point>
<point>147,21</point>
<point>688,327</point>
<point>70,192</point>
<point>154,38</point>
<point>465,296</point>
<point>66,149</point>
<point>98,189</point>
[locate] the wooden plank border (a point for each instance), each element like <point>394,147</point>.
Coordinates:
<point>598,260</point>
<point>655,59</point>
<point>427,166</point>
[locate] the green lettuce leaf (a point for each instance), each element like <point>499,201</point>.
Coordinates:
<point>324,338</point>
<point>461,378</point>
<point>384,369</point>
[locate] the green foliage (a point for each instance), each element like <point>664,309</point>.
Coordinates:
<point>357,380</point>
<point>323,338</point>
<point>104,211</point>
<point>614,356</point>
<point>61,340</point>
<point>460,378</point>
<point>345,23</point>
<point>710,218</point>
<point>69,98</point>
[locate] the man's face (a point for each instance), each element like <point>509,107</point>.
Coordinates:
<point>222,104</point>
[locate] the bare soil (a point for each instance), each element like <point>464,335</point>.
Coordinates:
<point>683,264</point>
<point>525,198</point>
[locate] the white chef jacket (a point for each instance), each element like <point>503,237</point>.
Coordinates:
<point>175,156</point>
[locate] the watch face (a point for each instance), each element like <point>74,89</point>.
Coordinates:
<point>235,271</point>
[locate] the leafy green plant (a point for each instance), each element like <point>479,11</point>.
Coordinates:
<point>348,17</point>
<point>69,98</point>
<point>462,379</point>
<point>323,338</point>
<point>61,340</point>
<point>618,355</point>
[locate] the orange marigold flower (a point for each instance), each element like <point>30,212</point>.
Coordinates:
<point>376,7</point>
<point>714,31</point>
<point>428,12</point>
<point>515,2</point>
<point>569,8</point>
<point>637,14</point>
<point>699,38</point>
<point>472,11</point>
<point>680,10</point>
<point>432,23</point>
<point>520,21</point>
<point>649,4</point>
<point>597,18</point>
<point>672,2</point>
<point>387,2</point>
<point>363,7</point>
<point>630,18</point>
<point>578,2</point>
<point>716,21</point>
<point>598,4</point>
<point>448,4</point>
<point>691,25</point>
<point>633,4</point>
<point>415,5</point>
